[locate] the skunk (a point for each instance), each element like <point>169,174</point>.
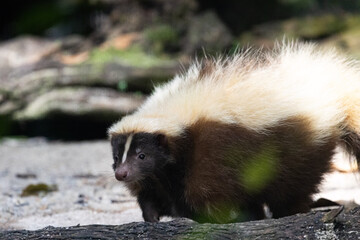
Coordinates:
<point>233,134</point>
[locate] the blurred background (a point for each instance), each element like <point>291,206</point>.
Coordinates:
<point>70,68</point>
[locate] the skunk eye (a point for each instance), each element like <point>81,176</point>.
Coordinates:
<point>141,156</point>
<point>116,158</point>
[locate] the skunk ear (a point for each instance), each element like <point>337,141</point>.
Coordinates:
<point>162,140</point>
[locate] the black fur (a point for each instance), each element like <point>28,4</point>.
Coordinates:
<point>159,177</point>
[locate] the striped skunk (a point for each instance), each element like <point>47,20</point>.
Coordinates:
<point>230,135</point>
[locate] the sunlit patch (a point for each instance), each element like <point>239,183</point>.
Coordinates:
<point>260,169</point>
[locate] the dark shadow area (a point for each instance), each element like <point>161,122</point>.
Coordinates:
<point>67,128</point>
<point>49,18</point>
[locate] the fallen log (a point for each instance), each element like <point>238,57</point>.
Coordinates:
<point>335,224</point>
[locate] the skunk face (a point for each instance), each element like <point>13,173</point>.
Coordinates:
<point>138,155</point>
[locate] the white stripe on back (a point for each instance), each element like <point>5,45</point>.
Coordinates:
<point>127,146</point>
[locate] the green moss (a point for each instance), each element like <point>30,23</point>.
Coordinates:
<point>134,56</point>
<point>38,189</point>
<point>161,37</point>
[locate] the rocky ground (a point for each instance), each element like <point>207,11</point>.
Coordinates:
<point>86,190</point>
<point>82,189</point>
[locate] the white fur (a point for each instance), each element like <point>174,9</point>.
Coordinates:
<point>127,147</point>
<point>295,80</point>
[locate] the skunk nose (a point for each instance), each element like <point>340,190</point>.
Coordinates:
<point>121,173</point>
